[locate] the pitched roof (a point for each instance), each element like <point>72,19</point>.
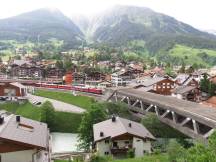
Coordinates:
<point>152,81</point>
<point>16,84</point>
<point>181,78</point>
<point>27,131</point>
<point>120,126</point>
<point>188,80</point>
<point>183,89</point>
<point>20,62</point>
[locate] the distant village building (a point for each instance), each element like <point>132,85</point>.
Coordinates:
<point>54,73</point>
<point>117,135</point>
<point>212,71</point>
<point>23,140</point>
<point>95,75</point>
<point>25,69</point>
<point>12,89</point>
<point>190,93</point>
<point>159,85</point>
<point>78,77</point>
<point>122,77</point>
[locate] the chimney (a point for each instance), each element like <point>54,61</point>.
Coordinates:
<point>113,118</point>
<point>130,125</point>
<point>101,134</point>
<point>18,119</point>
<point>1,120</point>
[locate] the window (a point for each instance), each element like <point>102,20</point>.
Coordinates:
<point>115,144</point>
<point>106,141</point>
<point>25,127</point>
<point>127,142</point>
<point>106,153</point>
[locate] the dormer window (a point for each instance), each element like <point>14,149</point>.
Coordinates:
<point>25,127</point>
<point>101,134</point>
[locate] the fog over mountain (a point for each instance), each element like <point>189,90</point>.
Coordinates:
<point>115,26</point>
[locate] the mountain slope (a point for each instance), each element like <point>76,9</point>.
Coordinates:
<point>41,24</point>
<point>125,23</point>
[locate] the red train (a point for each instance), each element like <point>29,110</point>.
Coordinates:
<point>68,87</point>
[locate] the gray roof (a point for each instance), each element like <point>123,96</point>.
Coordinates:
<point>11,130</point>
<point>20,62</point>
<point>119,127</point>
<point>181,78</point>
<point>17,84</point>
<point>152,81</point>
<point>183,89</point>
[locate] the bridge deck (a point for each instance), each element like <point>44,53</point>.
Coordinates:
<point>190,109</point>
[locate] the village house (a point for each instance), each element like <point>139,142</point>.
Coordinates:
<point>199,75</point>
<point>15,90</point>
<point>181,78</point>
<point>159,85</point>
<point>185,92</point>
<point>25,69</point>
<point>122,77</point>
<point>98,84</point>
<point>53,72</point>
<point>117,135</point>
<point>78,77</point>
<point>95,76</point>
<point>212,71</point>
<point>23,140</point>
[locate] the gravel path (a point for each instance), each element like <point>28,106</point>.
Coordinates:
<point>58,105</point>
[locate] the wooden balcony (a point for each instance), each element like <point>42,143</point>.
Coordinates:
<point>119,150</point>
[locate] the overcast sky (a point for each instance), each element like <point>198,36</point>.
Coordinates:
<point>198,13</point>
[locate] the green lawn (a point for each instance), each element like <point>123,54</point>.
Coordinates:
<point>65,122</point>
<point>60,160</point>
<point>81,101</point>
<point>26,110</point>
<point>149,158</point>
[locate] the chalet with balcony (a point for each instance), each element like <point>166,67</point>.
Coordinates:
<point>23,140</point>
<point>25,69</point>
<point>117,135</point>
<point>159,85</point>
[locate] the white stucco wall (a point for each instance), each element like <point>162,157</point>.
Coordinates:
<point>141,146</point>
<point>24,156</point>
<point>102,147</point>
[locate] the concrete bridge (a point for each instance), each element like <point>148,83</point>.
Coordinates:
<point>192,119</point>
